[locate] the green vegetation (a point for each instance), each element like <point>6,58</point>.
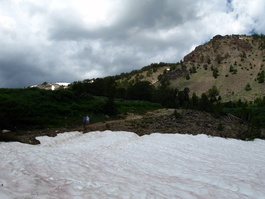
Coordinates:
<point>261,39</point>
<point>132,106</point>
<point>252,114</point>
<point>261,77</point>
<point>248,87</point>
<point>35,108</point>
<point>9,137</point>
<point>232,70</point>
<point>25,109</point>
<point>215,73</point>
<point>152,67</point>
<point>193,70</point>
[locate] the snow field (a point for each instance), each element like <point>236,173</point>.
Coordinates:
<point>123,165</point>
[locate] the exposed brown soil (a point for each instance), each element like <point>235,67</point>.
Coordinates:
<point>165,121</point>
<point>158,121</point>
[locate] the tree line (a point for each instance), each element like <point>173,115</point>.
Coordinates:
<point>143,90</point>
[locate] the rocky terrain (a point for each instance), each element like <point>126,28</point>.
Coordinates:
<point>158,121</point>
<point>180,121</point>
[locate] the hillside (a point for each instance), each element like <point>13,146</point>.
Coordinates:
<point>234,64</point>
<point>148,73</point>
<point>228,62</point>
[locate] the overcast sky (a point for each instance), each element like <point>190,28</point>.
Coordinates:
<point>73,40</point>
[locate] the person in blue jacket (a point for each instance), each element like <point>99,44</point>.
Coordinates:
<point>86,121</point>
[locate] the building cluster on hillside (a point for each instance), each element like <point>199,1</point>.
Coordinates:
<point>51,86</point>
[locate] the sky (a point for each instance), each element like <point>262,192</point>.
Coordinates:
<point>72,40</point>
<point>112,164</point>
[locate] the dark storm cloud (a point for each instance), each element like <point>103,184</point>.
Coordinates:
<point>67,25</point>
<point>131,40</point>
<point>135,17</point>
<point>157,14</point>
<point>23,65</point>
<point>12,71</point>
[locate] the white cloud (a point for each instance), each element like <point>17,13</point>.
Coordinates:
<point>250,14</point>
<point>7,23</point>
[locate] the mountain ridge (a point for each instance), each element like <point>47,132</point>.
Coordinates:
<point>234,64</point>
<point>236,61</point>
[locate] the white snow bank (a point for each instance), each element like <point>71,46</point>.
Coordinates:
<point>123,165</point>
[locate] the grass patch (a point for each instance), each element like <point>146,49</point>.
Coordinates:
<point>140,107</point>
<point>257,114</point>
<point>9,137</point>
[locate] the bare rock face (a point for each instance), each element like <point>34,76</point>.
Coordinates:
<point>177,73</point>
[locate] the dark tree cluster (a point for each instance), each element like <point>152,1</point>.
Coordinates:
<point>151,68</point>
<point>261,77</point>
<point>144,90</point>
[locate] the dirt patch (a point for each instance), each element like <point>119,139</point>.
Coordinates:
<point>169,121</point>
<point>158,121</point>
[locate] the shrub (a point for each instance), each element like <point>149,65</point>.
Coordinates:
<point>215,73</point>
<point>248,87</point>
<point>8,137</point>
<point>251,133</point>
<point>220,127</point>
<point>261,77</point>
<point>177,115</point>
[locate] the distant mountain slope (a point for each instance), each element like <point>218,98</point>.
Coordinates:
<point>148,73</point>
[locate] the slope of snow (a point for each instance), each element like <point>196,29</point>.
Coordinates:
<point>123,165</point>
